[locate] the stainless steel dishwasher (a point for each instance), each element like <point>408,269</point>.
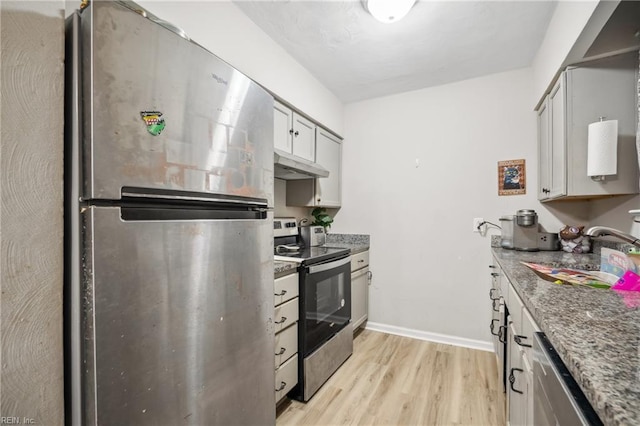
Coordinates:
<point>557,398</point>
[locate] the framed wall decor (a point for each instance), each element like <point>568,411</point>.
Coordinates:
<point>512,177</point>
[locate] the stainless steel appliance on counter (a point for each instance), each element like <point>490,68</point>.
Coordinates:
<point>325,338</point>
<point>169,249</point>
<point>557,398</point>
<point>525,230</point>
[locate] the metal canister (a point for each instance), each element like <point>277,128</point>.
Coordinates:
<point>526,217</point>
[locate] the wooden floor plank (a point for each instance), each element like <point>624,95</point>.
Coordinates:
<point>394,380</point>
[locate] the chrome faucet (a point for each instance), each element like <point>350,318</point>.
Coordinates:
<point>601,231</point>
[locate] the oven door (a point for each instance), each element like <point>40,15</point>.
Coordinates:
<point>326,307</point>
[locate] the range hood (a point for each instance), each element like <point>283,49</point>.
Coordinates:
<point>288,167</point>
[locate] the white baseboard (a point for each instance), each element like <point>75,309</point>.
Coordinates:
<point>430,337</point>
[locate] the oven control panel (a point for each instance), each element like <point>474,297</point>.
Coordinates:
<point>284,226</point>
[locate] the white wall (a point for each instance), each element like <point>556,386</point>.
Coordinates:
<point>223,29</point>
<point>430,270</point>
<point>31,220</point>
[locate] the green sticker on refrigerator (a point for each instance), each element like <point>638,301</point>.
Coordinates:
<point>154,121</point>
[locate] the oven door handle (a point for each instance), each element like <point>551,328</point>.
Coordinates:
<point>330,265</point>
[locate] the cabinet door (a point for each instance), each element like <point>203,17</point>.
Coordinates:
<point>558,144</point>
<point>359,297</point>
<point>544,151</point>
<point>282,127</point>
<point>517,403</point>
<point>304,138</point>
<point>329,156</point>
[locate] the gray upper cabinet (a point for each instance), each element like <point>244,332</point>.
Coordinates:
<point>323,192</point>
<point>603,88</point>
<point>293,133</point>
<point>282,128</point>
<point>304,138</point>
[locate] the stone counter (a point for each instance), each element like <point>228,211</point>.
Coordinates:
<point>356,243</point>
<point>596,332</point>
<point>281,268</point>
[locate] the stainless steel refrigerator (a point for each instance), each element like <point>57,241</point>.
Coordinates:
<point>169,229</point>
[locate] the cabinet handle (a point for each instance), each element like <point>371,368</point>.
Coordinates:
<point>282,350</point>
<point>491,290</point>
<point>518,339</point>
<point>284,385</point>
<point>283,319</point>
<point>319,200</point>
<point>502,334</point>
<point>370,276</point>
<point>282,293</point>
<point>495,274</point>
<point>296,133</point>
<point>512,379</point>
<point>290,131</point>
<point>493,305</point>
<point>491,327</point>
<point>492,266</point>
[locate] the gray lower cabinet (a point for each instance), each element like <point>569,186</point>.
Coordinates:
<point>286,334</point>
<point>583,94</point>
<point>360,279</point>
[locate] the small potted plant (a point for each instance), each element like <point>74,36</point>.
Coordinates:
<point>321,218</point>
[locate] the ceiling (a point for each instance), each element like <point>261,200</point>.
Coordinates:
<point>438,42</point>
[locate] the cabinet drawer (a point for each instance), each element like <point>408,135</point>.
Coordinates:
<point>286,344</point>
<point>285,288</point>
<point>359,260</point>
<point>285,314</point>
<point>286,377</point>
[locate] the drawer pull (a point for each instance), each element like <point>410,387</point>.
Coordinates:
<point>491,327</point>
<point>282,293</point>
<point>494,274</point>
<point>361,261</point>
<point>282,386</point>
<point>491,290</point>
<point>502,334</point>
<point>282,350</point>
<point>518,339</point>
<point>493,305</point>
<point>512,379</point>
<point>283,319</point>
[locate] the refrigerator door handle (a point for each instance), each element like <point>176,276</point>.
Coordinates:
<point>154,195</point>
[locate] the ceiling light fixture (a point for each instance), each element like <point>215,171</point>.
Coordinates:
<point>388,11</point>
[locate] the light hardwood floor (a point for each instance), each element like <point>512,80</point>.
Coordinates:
<point>393,380</point>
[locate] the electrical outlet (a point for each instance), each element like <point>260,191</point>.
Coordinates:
<point>476,224</point>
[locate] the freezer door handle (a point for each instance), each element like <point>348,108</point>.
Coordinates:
<point>141,194</point>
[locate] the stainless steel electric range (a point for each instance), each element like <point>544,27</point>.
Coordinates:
<point>325,338</point>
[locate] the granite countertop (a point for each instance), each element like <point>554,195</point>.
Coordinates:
<point>356,243</point>
<point>280,267</point>
<point>596,332</point>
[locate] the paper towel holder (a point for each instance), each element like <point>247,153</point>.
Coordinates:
<point>602,147</point>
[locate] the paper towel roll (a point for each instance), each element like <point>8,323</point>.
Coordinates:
<point>602,154</point>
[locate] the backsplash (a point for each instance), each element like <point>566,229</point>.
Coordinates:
<point>280,203</point>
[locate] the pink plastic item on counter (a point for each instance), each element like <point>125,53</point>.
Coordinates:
<point>629,281</point>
